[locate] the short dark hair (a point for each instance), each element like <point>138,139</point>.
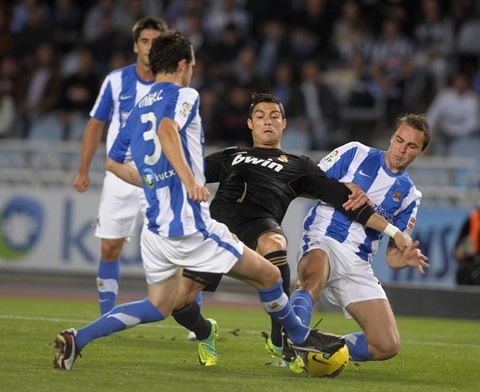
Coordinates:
<point>418,122</point>
<point>263,97</point>
<point>167,50</point>
<point>148,22</point>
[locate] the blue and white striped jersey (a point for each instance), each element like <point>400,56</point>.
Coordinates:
<point>170,212</point>
<point>120,91</point>
<point>395,196</point>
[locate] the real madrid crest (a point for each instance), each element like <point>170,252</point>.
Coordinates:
<point>283,158</point>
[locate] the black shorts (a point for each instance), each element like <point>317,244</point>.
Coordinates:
<point>209,279</point>
<point>247,225</point>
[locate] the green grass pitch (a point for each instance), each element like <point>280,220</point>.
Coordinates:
<point>436,354</point>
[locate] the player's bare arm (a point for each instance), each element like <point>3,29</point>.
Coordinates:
<point>398,239</point>
<point>124,171</point>
<point>168,134</point>
<point>409,256</point>
<point>91,140</point>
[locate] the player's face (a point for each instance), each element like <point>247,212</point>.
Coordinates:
<point>267,125</point>
<point>405,145</point>
<point>143,45</point>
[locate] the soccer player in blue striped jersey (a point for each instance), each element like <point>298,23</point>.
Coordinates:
<point>335,252</point>
<point>121,204</point>
<point>166,141</point>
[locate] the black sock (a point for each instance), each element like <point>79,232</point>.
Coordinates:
<point>191,318</point>
<point>279,259</point>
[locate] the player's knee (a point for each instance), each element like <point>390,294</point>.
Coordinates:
<point>271,242</point>
<point>271,275</point>
<point>111,249</point>
<point>386,350</point>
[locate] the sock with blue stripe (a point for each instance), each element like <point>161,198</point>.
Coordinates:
<point>275,303</point>
<point>119,318</point>
<point>358,347</point>
<point>107,284</point>
<point>279,259</point>
<point>302,304</point>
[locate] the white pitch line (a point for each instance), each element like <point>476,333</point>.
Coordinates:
<point>157,325</point>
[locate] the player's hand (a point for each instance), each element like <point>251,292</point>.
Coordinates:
<point>197,192</point>
<point>81,182</point>
<point>357,198</point>
<point>414,257</point>
<point>402,240</point>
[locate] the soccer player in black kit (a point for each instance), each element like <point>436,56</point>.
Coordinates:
<point>256,186</point>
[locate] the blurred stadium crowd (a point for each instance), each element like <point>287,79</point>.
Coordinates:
<point>344,69</point>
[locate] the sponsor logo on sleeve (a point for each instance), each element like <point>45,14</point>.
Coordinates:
<point>332,157</point>
<point>185,110</point>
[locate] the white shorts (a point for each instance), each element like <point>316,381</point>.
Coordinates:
<point>121,206</point>
<point>212,250</point>
<point>351,278</point>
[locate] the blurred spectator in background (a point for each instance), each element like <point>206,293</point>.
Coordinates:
<point>12,77</point>
<point>286,88</point>
<point>192,27</point>
<point>77,96</point>
<point>233,117</point>
<point>316,17</point>
<point>454,113</point>
<point>244,71</point>
<point>30,28</point>
<point>321,109</point>
<point>393,65</point>
<point>42,88</point>
<point>94,24</point>
<point>220,55</point>
<point>210,117</point>
<point>467,250</point>
<point>344,27</point>
<point>223,13</point>
<point>7,110</point>
<point>271,46</point>
<point>476,78</point>
<point>25,11</point>
<point>67,19</point>
<point>108,41</point>
<point>129,11</point>
<point>301,45</point>
<point>5,31</point>
<point>435,37</point>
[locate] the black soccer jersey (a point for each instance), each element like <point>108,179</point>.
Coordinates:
<point>262,182</point>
